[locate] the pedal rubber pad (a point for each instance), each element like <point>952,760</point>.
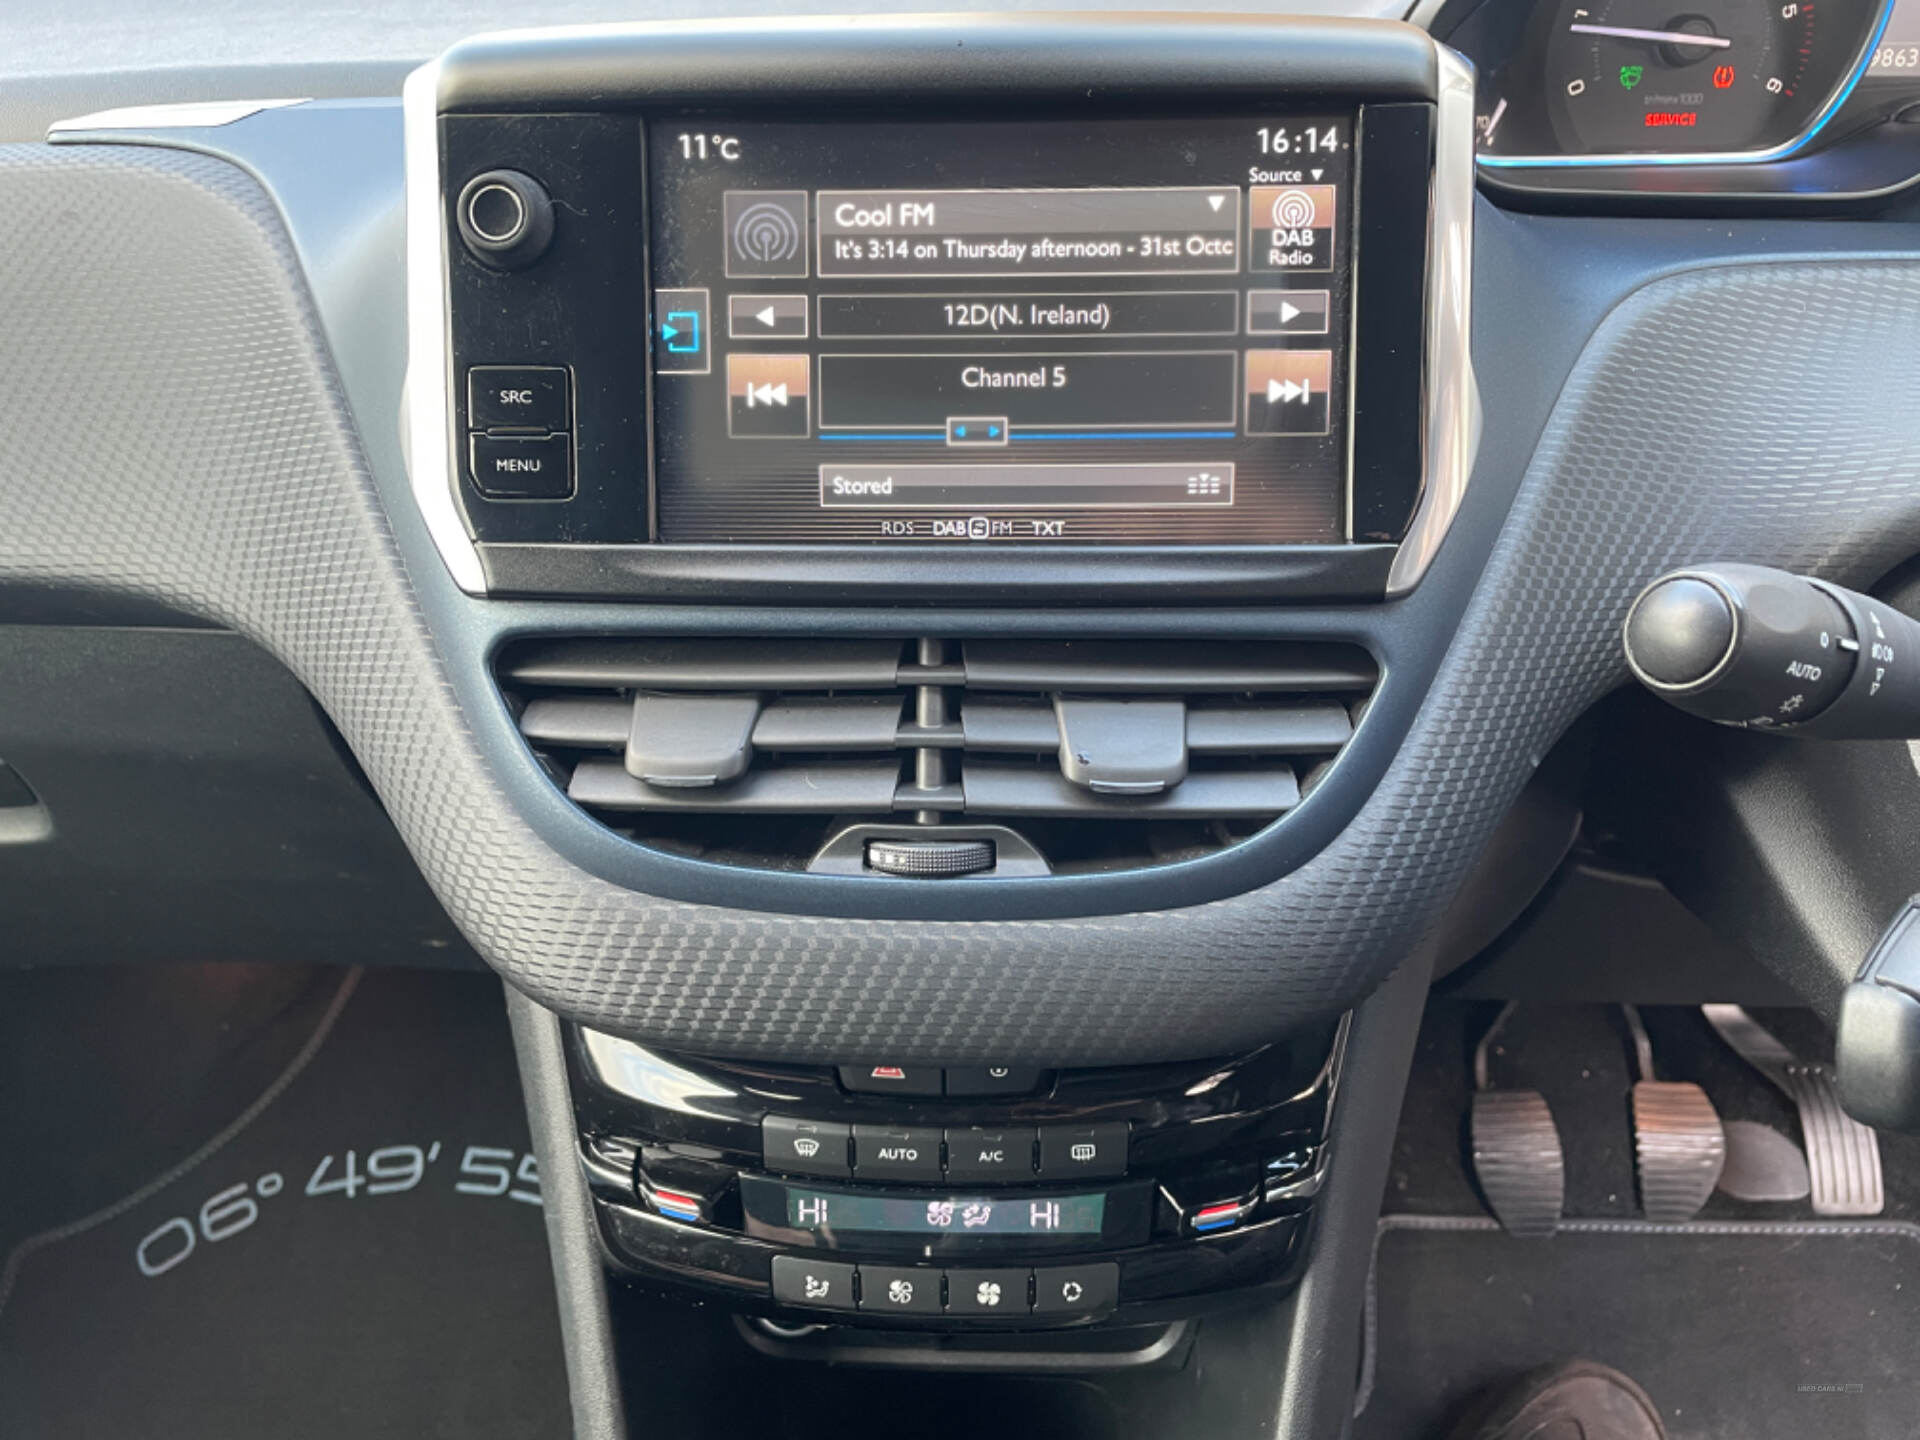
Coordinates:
<point>1679,1148</point>
<point>1763,1165</point>
<point>1843,1156</point>
<point>1518,1160</point>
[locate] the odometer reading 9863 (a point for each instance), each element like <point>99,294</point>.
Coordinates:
<point>1664,76</point>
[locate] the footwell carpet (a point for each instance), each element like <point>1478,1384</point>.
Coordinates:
<point>271,1205</point>
<point>1739,1330</point>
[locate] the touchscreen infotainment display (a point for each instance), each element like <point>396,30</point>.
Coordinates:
<point>1107,332</point>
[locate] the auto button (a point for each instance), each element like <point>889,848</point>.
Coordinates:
<point>896,1152</point>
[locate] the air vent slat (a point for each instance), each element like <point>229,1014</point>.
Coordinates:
<point>831,787</point>
<point>583,722</point>
<point>853,723</point>
<point>1029,729</point>
<point>1165,667</point>
<point>998,787</point>
<point>711,665</point>
<point>1293,729</point>
<point>1095,754</point>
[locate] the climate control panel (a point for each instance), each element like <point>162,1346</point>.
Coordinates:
<point>912,1196</point>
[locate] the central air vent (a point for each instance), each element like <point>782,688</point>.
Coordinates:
<point>1098,754</point>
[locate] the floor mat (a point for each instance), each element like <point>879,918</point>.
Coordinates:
<point>356,1247</point>
<point>1740,1330</point>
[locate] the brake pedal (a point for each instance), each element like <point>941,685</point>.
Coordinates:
<point>1517,1157</point>
<point>1843,1156</point>
<point>1679,1146</point>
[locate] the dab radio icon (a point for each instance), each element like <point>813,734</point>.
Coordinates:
<point>1292,227</point>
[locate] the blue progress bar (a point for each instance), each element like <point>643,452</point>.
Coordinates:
<point>901,435</point>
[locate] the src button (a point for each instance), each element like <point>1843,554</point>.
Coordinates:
<point>517,397</point>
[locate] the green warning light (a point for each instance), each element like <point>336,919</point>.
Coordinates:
<point>1630,76</point>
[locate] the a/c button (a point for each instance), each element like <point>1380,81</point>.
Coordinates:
<point>990,1154</point>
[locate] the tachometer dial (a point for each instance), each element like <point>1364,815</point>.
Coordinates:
<point>1664,76</point>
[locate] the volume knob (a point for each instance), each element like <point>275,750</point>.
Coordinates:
<point>505,219</point>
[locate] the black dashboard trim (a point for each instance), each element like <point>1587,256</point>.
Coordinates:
<point>991,575</point>
<point>1209,61</point>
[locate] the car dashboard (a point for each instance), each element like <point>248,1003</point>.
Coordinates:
<point>965,608</point>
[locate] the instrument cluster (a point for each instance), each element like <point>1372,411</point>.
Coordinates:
<point>1569,90</point>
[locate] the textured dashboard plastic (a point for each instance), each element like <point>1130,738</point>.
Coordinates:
<point>175,430</point>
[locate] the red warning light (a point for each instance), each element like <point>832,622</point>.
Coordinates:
<point>1722,76</point>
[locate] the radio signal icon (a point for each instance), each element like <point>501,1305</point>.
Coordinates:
<point>1293,210</point>
<point>766,232</point>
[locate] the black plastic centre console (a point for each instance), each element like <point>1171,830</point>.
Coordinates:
<point>1100,314</point>
<point>929,1197</point>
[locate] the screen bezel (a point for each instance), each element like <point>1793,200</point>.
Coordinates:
<point>1219,69</point>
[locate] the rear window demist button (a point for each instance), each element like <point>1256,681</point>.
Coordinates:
<point>1083,1151</point>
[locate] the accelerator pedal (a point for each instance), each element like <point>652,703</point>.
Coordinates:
<point>1517,1156</point>
<point>1679,1147</point>
<point>1843,1156</point>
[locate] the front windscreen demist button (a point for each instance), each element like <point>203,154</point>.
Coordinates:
<point>896,1152</point>
<point>804,1147</point>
